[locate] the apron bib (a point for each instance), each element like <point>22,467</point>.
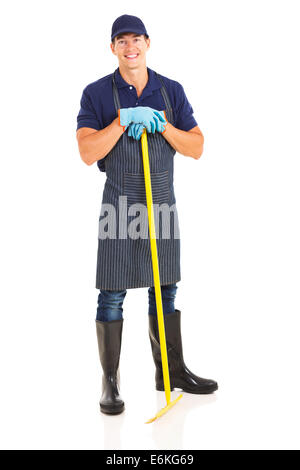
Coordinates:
<point>124,253</point>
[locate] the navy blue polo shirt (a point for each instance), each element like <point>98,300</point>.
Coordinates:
<point>98,110</point>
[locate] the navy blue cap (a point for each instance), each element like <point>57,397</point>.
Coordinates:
<point>128,24</point>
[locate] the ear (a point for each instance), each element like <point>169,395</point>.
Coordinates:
<point>112,48</point>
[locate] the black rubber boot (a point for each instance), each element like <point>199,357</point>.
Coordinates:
<point>109,335</point>
<point>180,376</point>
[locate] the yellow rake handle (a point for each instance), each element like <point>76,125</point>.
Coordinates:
<point>160,317</point>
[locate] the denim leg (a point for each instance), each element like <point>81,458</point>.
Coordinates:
<point>110,305</point>
<point>168,294</point>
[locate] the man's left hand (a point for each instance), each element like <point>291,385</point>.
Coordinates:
<point>136,130</point>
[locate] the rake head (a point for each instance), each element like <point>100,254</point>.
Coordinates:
<point>164,410</point>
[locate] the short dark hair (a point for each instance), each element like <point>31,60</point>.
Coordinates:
<point>121,35</point>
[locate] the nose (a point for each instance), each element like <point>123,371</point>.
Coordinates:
<point>130,46</point>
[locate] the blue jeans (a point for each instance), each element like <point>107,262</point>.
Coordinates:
<point>110,302</point>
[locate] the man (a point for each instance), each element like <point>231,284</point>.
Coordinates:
<point>114,112</point>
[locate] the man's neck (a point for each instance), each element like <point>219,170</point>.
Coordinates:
<point>138,78</point>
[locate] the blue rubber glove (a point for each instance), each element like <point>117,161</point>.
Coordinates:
<point>136,130</point>
<point>163,120</point>
<point>162,125</point>
<point>150,118</point>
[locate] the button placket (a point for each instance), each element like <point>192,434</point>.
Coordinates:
<point>131,88</point>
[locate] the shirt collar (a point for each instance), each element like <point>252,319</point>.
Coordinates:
<point>153,82</point>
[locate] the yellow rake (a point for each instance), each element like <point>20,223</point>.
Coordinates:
<point>155,266</point>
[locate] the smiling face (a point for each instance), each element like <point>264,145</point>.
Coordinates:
<point>131,50</point>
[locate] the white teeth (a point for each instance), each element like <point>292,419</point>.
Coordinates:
<point>131,56</point>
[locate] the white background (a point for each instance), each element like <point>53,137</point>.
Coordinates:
<point>238,206</point>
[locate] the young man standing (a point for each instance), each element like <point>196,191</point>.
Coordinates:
<point>114,111</point>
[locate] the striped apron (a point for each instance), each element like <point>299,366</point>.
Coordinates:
<point>124,254</point>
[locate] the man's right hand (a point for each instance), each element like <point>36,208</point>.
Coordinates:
<point>148,117</point>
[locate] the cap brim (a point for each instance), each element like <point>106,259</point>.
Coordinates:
<point>122,31</point>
